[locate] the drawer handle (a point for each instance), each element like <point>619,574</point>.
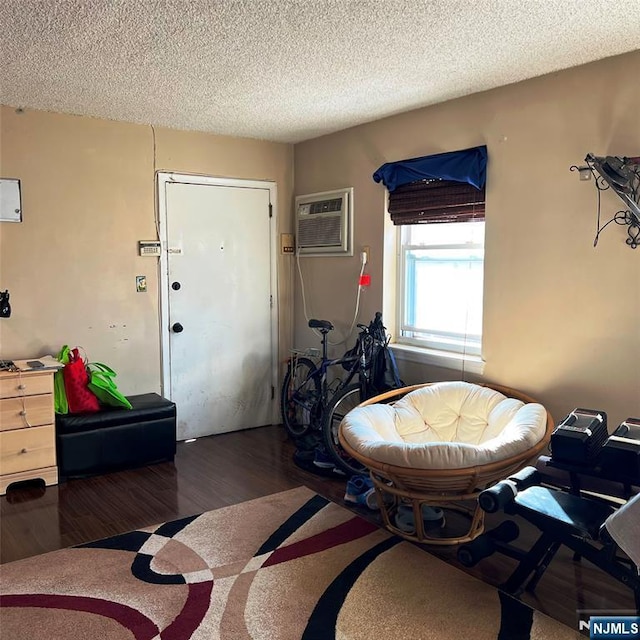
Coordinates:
<point>22,387</point>
<point>24,450</point>
<point>23,412</point>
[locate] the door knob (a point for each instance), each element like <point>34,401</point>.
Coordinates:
<point>175,286</point>
<point>176,327</point>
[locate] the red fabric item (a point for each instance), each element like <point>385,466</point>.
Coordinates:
<point>80,398</point>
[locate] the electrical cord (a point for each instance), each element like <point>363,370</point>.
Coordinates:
<point>466,333</point>
<point>466,318</point>
<point>304,297</point>
<point>357,306</point>
<point>155,188</point>
<point>156,220</point>
<point>357,309</point>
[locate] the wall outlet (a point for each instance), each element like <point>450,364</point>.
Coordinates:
<point>287,244</point>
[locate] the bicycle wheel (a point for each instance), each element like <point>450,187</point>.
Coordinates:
<point>299,397</point>
<point>341,404</point>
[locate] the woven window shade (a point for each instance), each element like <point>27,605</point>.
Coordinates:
<point>429,201</point>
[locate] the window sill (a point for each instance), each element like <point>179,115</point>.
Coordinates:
<point>419,355</point>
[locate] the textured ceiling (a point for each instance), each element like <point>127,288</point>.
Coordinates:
<point>289,70</point>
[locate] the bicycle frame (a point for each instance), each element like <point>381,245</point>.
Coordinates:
<point>314,400</point>
<point>358,367</point>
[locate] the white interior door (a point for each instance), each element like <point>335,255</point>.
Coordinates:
<point>219,307</point>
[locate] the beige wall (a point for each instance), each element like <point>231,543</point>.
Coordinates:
<point>88,197</point>
<point>562,319</point>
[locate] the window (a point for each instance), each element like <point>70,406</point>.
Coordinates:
<point>438,203</point>
<point>441,264</point>
<point>440,290</point>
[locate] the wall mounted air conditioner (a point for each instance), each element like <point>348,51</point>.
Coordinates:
<point>324,223</point>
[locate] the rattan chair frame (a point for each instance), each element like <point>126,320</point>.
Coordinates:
<point>450,489</point>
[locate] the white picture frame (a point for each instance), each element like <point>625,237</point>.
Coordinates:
<point>10,200</point>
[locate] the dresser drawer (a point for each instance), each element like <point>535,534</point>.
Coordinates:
<point>26,449</point>
<point>26,385</point>
<point>37,410</point>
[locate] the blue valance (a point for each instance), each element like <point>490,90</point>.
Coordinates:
<point>469,165</point>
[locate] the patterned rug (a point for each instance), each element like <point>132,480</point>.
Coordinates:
<point>288,566</point>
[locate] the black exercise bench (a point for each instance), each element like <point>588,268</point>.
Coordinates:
<point>582,524</point>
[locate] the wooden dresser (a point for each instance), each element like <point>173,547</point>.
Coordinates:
<point>27,428</point>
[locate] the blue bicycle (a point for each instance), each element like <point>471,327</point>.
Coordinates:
<point>316,396</point>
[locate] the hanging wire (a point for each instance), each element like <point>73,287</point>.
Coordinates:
<point>466,336</point>
<point>356,310</point>
<point>467,305</point>
<point>156,216</point>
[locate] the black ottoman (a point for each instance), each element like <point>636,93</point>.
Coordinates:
<point>93,443</point>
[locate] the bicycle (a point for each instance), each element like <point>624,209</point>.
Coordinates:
<point>310,402</point>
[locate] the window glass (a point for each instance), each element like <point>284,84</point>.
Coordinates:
<point>446,233</point>
<point>442,268</point>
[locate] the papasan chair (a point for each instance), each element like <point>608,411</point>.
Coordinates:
<point>431,448</point>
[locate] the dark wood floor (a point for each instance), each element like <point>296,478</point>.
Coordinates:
<point>222,470</point>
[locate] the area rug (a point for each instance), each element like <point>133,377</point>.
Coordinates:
<point>284,567</point>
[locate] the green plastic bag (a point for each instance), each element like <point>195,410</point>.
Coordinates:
<point>103,386</point>
<point>59,394</point>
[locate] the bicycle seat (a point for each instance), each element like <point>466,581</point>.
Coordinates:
<point>323,325</point>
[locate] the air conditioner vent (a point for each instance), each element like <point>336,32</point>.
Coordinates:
<point>323,232</point>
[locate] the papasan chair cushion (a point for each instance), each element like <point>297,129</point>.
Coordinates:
<point>446,425</point>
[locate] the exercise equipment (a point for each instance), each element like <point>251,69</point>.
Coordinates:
<point>592,528</point>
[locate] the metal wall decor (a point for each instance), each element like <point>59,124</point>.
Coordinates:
<point>622,176</point>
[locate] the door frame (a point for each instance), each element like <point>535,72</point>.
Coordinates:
<point>163,179</point>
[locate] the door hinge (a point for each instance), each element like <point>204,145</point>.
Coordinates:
<point>273,392</point>
<point>270,210</point>
<point>271,301</point>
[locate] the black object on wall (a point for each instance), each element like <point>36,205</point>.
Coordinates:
<point>5,307</point>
